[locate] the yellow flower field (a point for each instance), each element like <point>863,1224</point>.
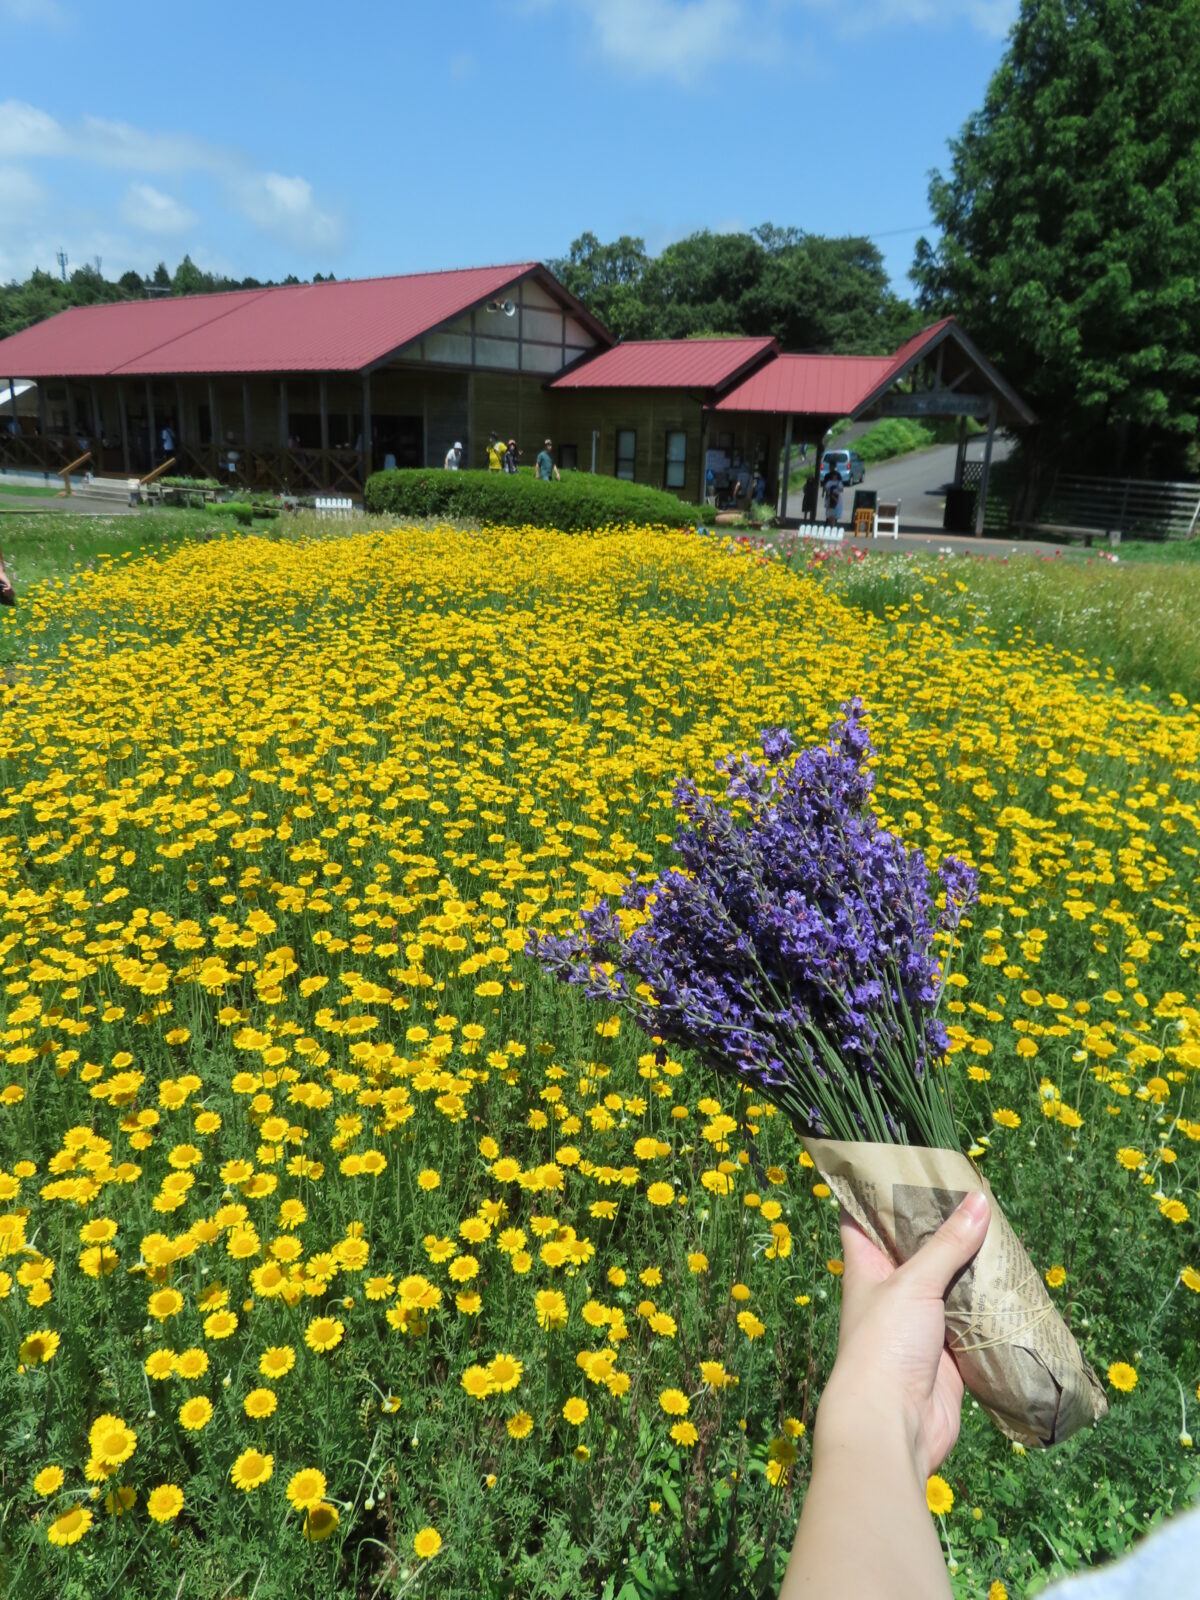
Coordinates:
<point>342,1250</point>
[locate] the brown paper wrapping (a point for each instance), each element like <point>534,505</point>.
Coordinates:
<point>1016,1354</point>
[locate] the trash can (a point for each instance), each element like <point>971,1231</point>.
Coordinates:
<point>959,515</point>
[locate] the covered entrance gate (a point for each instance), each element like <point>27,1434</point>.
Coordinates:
<point>939,373</point>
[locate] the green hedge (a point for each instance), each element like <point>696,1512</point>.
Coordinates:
<point>579,502</point>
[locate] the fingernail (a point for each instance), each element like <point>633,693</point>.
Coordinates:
<point>975,1207</point>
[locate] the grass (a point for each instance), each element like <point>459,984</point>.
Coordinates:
<point>276,816</point>
<point>28,491</point>
<point>1130,623</point>
<point>57,544</point>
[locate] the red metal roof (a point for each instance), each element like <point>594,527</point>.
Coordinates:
<point>665,364</point>
<point>829,386</point>
<point>914,346</point>
<point>307,327</point>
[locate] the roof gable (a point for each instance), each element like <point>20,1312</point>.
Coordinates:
<point>849,386</point>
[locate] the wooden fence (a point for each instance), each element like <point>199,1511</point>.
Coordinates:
<point>1133,507</point>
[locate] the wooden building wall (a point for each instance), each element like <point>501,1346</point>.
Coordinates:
<point>650,413</point>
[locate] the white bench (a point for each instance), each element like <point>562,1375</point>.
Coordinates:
<point>825,532</point>
<point>334,506</point>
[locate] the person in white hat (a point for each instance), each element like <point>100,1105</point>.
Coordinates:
<point>454,456</point>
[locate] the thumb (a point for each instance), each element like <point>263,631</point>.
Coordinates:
<point>951,1247</point>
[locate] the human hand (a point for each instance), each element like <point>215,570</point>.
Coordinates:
<point>892,1360</point>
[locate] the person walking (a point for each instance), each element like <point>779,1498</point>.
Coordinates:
<point>453,457</point>
<point>545,468</point>
<point>833,495</point>
<point>495,453</point>
<point>512,457</point>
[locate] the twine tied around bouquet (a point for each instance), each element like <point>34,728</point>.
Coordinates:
<point>960,1327</point>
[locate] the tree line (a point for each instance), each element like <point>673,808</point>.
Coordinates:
<point>43,294</point>
<point>809,291</point>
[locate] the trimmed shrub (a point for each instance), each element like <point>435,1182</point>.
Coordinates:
<point>240,510</point>
<point>579,502</point>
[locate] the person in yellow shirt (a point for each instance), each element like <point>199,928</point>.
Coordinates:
<point>495,453</point>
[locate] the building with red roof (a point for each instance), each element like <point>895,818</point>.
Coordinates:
<point>305,386</point>
<point>309,387</point>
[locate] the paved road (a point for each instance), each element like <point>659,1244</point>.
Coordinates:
<point>919,481</point>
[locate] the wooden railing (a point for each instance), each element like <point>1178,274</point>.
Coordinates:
<point>65,472</point>
<point>285,471</point>
<point>157,472</point>
<point>1150,507</point>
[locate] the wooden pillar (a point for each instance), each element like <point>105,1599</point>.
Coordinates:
<point>97,420</point>
<point>181,433</point>
<point>151,424</point>
<point>366,425</point>
<point>981,502</point>
<point>960,458</point>
<point>245,413</point>
<point>71,428</point>
<point>12,400</point>
<point>124,426</point>
<point>323,394</point>
<point>41,389</point>
<point>283,414</point>
<point>787,469</point>
<point>214,420</point>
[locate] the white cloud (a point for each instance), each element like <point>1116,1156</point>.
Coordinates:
<point>679,39</point>
<point>992,17</point>
<point>286,206</point>
<point>669,38</point>
<point>152,211</point>
<point>20,194</point>
<point>26,131</point>
<point>48,12</point>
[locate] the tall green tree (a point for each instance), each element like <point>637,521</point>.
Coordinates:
<point>811,292</point>
<point>1070,218</point>
<point>607,278</point>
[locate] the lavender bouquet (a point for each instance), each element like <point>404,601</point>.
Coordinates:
<point>794,950</point>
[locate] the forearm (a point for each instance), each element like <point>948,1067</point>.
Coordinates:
<point>865,1530</point>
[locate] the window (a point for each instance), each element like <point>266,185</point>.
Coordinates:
<point>626,452</point>
<point>568,457</point>
<point>676,460</point>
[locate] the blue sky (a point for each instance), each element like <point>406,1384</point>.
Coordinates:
<point>370,138</point>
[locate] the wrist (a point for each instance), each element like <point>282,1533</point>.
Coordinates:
<point>858,1418</point>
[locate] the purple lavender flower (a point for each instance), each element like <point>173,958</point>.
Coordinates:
<point>793,947</point>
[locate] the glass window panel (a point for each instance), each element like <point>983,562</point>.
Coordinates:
<point>541,357</point>
<point>496,353</point>
<point>448,347</point>
<point>545,325</point>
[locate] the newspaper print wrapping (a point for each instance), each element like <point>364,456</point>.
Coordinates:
<point>1016,1354</point>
